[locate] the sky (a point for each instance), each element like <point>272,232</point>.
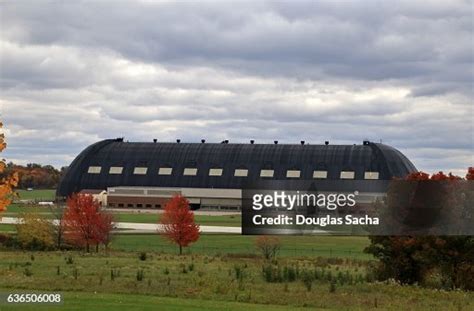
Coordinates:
<point>401,72</point>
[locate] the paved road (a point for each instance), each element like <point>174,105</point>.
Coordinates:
<point>132,227</point>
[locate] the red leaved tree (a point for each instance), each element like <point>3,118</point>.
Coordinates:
<point>447,260</point>
<point>178,223</point>
<point>85,224</point>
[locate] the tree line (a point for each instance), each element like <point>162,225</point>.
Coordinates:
<point>35,175</point>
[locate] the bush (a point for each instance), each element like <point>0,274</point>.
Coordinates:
<point>34,232</point>
<point>27,272</point>
<point>269,246</point>
<point>140,275</point>
<point>69,260</point>
<point>411,260</point>
<point>142,256</point>
<point>307,281</point>
<point>5,239</point>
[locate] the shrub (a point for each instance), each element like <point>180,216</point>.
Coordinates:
<point>7,240</point>
<point>34,232</point>
<point>238,273</point>
<point>307,279</point>
<point>114,273</point>
<point>27,272</point>
<point>140,275</point>
<point>69,260</point>
<point>269,246</point>
<point>142,256</point>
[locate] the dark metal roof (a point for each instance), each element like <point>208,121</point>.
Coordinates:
<point>384,159</point>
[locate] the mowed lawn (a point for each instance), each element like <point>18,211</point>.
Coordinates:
<point>7,228</point>
<point>79,301</point>
<point>37,194</point>
<point>205,220</point>
<point>291,246</point>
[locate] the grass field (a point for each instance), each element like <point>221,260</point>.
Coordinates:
<point>292,246</point>
<point>37,194</point>
<point>6,227</point>
<point>79,301</point>
<point>206,283</point>
<point>219,272</point>
<point>224,220</point>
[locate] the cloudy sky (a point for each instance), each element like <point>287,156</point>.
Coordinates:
<point>76,72</point>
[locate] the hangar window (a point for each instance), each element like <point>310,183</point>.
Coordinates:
<point>293,174</point>
<point>116,170</point>
<point>347,175</point>
<point>371,175</point>
<point>140,170</point>
<point>320,174</point>
<point>94,170</point>
<point>215,172</point>
<point>266,173</point>
<point>165,171</point>
<point>190,171</point>
<point>241,172</point>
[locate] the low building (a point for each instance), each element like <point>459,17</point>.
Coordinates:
<point>155,198</point>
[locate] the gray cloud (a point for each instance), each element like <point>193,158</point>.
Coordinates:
<point>75,72</point>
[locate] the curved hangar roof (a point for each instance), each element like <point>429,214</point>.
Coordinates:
<point>113,162</point>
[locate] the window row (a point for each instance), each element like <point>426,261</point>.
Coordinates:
<point>264,173</point>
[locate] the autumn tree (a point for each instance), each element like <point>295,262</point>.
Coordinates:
<point>35,232</point>
<point>269,246</point>
<point>413,259</point>
<point>7,181</point>
<point>178,224</point>
<point>84,222</point>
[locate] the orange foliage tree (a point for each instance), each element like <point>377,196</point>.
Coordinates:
<point>7,183</point>
<point>84,222</point>
<point>178,223</point>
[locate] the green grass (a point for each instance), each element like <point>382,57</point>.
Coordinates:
<point>7,227</point>
<point>37,194</point>
<point>15,209</point>
<point>104,302</point>
<point>210,284</point>
<point>292,246</point>
<point>224,220</point>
